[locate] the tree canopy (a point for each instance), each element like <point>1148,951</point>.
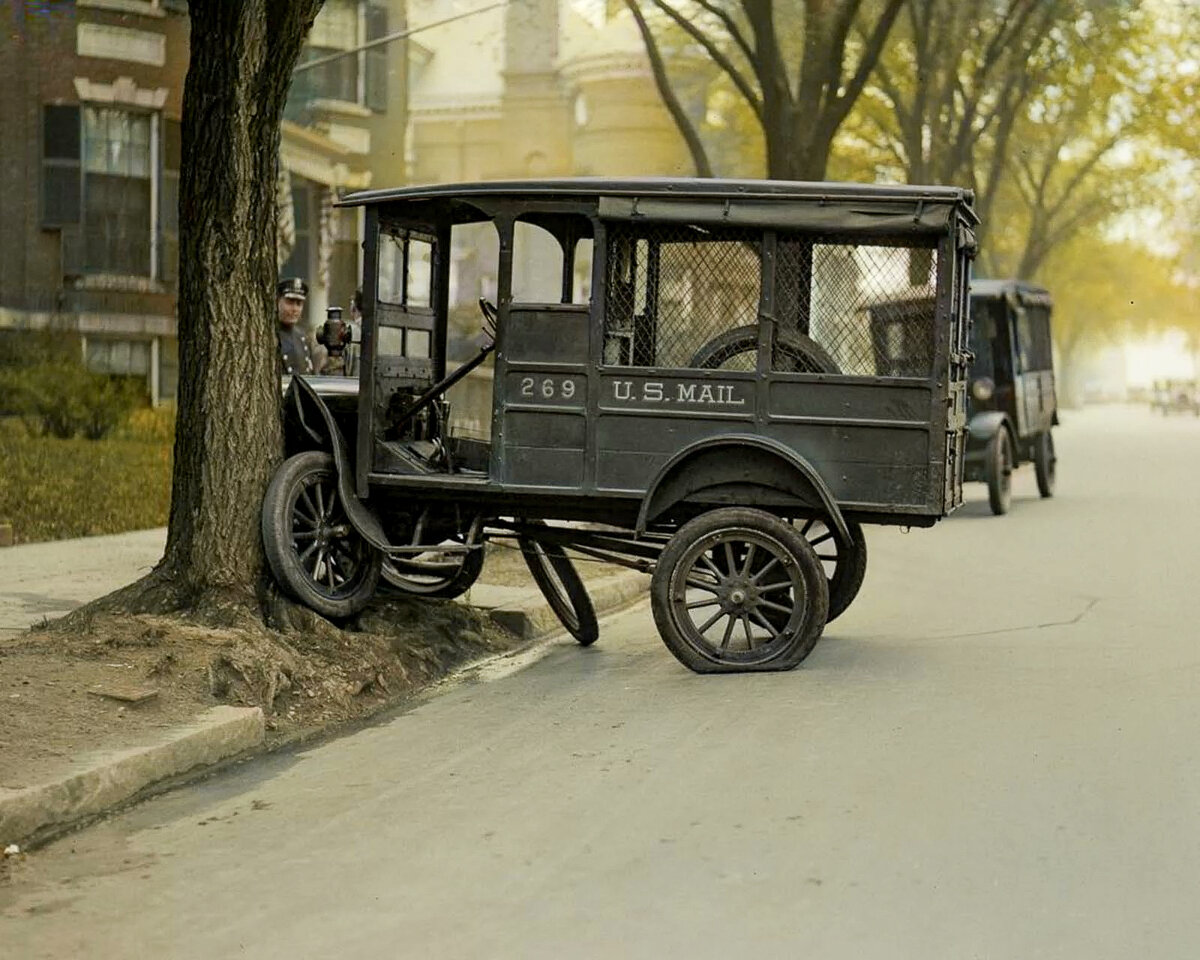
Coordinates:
<point>798,67</point>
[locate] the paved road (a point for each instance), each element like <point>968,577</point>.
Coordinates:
<point>993,754</point>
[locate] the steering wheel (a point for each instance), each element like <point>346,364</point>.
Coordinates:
<point>488,309</point>
<point>490,315</point>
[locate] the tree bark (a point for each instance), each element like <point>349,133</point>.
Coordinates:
<point>228,436</point>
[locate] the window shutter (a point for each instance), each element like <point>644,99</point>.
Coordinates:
<point>61,193</point>
<point>377,58</point>
<point>169,201</point>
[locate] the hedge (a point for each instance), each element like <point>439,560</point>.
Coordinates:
<point>51,489</point>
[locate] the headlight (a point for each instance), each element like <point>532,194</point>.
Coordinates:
<point>982,389</point>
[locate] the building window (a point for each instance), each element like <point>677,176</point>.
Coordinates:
<point>119,165</point>
<point>102,185</point>
<point>358,77</point>
<point>119,357</point>
<point>334,31</point>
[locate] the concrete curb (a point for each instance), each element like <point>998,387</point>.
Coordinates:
<point>104,781</point>
<point>535,619</point>
<point>107,780</point>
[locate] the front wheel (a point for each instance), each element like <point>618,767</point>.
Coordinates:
<point>738,589</point>
<point>562,587</point>
<point>312,548</point>
<point>998,468</point>
<point>1045,464</point>
<point>435,573</point>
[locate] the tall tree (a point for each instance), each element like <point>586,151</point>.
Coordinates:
<point>228,435</point>
<point>799,69</point>
<point>1090,138</point>
<point>947,93</point>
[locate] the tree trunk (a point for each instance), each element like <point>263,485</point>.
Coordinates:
<point>228,436</point>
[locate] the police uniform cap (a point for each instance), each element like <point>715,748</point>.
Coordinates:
<point>292,287</point>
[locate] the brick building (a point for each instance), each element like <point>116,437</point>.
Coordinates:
<point>90,102</point>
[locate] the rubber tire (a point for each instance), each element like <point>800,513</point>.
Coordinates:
<point>281,556</point>
<point>848,575</point>
<point>451,587</point>
<point>1044,464</point>
<point>575,610</point>
<point>760,521</point>
<point>745,340</point>
<point>999,483</point>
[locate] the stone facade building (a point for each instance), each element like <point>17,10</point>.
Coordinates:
<point>91,97</point>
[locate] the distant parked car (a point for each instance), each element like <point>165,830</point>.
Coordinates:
<point>1175,396</point>
<point>1012,403</point>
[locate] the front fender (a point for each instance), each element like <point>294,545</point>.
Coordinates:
<point>674,482</point>
<point>308,421</point>
<point>983,426</point>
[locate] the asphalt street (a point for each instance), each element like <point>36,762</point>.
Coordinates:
<point>993,754</point>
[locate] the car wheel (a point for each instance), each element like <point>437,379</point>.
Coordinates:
<point>998,468</point>
<point>844,566</point>
<point>737,349</point>
<point>434,574</point>
<point>738,589</point>
<point>1045,464</point>
<point>312,548</point>
<point>562,587</point>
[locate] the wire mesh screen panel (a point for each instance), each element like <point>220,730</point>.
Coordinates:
<point>856,309</point>
<point>673,293</point>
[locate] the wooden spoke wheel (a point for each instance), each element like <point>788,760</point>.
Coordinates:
<point>313,550</point>
<point>739,589</point>
<point>737,349</point>
<point>562,587</point>
<point>844,565</point>
<point>435,573</point>
<point>1045,464</point>
<point>998,468</point>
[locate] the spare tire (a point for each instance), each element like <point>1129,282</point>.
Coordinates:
<point>794,351</point>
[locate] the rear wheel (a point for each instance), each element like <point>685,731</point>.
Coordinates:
<point>562,587</point>
<point>738,589</point>
<point>845,565</point>
<point>1045,464</point>
<point>311,546</point>
<point>998,468</point>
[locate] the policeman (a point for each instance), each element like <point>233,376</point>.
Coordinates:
<point>294,353</point>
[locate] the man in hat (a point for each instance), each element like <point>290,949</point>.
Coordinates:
<point>294,353</point>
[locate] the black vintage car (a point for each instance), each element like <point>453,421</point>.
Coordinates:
<point>1012,403</point>
<point>685,376</point>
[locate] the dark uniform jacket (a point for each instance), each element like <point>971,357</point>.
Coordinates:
<point>294,355</point>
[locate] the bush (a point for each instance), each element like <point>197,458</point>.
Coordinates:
<point>64,399</point>
<point>149,425</point>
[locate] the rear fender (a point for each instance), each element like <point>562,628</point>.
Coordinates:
<point>308,425</point>
<point>740,460</point>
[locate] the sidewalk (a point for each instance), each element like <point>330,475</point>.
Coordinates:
<point>45,580</point>
<point>112,762</point>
